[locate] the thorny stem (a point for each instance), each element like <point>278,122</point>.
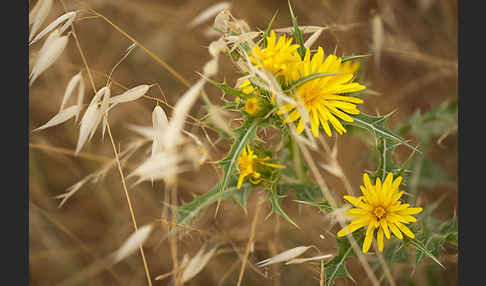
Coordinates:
<point>84,60</point>
<point>147,273</point>
<point>173,238</point>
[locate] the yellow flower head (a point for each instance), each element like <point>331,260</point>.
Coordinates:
<point>380,209</point>
<point>246,87</point>
<point>321,96</point>
<point>249,163</point>
<point>278,57</point>
<point>252,105</point>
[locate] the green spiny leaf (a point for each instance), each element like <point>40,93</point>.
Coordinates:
<point>376,125</point>
<point>269,28</point>
<point>227,89</point>
<point>308,78</point>
<point>432,123</point>
<point>422,249</point>
<point>244,134</point>
<point>188,211</point>
<point>432,175</point>
<point>337,266</point>
<point>297,34</point>
<point>274,199</point>
<point>308,194</point>
<point>351,58</point>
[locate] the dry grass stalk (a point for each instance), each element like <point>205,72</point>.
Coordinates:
<point>378,34</point>
<point>250,240</point>
<point>302,260</point>
<point>147,273</point>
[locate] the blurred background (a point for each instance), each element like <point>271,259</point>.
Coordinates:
<point>414,68</point>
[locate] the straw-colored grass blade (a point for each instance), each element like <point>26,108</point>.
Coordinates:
<point>38,15</point>
<point>313,38</point>
<point>133,242</point>
<point>159,124</point>
<point>76,79</point>
<point>130,95</point>
<point>378,34</point>
<point>197,263</point>
<point>90,120</point>
<point>48,54</point>
<point>172,136</point>
<point>61,117</point>
<point>209,13</point>
<point>68,17</point>
<point>284,256</point>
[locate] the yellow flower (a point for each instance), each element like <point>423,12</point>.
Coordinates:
<point>380,209</point>
<point>321,96</point>
<point>278,57</point>
<point>246,87</point>
<point>248,163</point>
<point>252,106</point>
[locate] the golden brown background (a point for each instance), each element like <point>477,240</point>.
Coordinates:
<point>417,70</point>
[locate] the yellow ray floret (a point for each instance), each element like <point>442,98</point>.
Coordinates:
<point>248,163</point>
<point>279,56</point>
<point>322,97</point>
<point>380,209</point>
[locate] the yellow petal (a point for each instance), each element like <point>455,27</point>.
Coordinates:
<point>379,238</point>
<point>349,229</point>
<point>405,230</point>
<point>314,124</point>
<point>294,115</point>
<point>357,212</point>
<point>396,231</point>
<point>368,239</point>
<point>384,226</point>
<point>354,201</point>
<point>300,126</point>
<point>240,180</point>
<point>344,98</point>
<point>277,166</point>
<point>411,211</point>
<point>388,182</point>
